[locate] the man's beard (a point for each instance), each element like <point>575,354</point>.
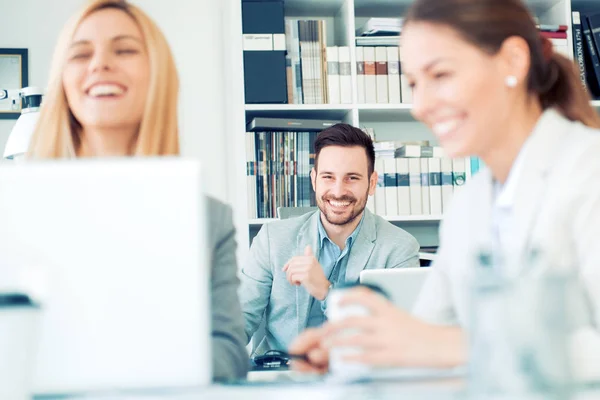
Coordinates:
<point>356,212</point>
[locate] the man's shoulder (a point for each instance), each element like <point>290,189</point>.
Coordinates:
<point>390,233</point>
<point>289,226</point>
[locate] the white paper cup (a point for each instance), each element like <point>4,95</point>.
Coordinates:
<point>19,328</point>
<point>338,367</point>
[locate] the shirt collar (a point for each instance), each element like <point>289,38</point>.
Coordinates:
<point>506,193</point>
<point>323,234</point>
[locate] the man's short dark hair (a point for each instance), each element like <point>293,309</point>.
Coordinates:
<point>345,135</point>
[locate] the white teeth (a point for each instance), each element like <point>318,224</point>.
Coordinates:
<point>105,90</point>
<point>443,128</point>
<point>339,203</point>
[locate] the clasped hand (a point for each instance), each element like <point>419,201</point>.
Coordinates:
<point>305,270</point>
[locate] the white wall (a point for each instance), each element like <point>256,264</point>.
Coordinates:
<point>32,24</point>
<point>194,31</point>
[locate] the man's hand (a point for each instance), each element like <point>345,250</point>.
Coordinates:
<point>306,271</point>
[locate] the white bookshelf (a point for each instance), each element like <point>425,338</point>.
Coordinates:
<point>390,121</point>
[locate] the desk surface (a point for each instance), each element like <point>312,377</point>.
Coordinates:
<point>380,391</point>
<point>413,384</point>
<point>445,389</point>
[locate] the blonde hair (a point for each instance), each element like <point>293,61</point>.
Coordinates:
<point>57,131</point>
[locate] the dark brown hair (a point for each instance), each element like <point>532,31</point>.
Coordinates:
<point>345,135</point>
<point>488,23</point>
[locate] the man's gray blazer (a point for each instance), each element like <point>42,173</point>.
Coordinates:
<point>266,291</point>
<point>230,358</point>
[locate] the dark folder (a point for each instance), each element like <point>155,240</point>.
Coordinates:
<point>264,70</point>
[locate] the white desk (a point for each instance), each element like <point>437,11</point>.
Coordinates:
<point>379,391</point>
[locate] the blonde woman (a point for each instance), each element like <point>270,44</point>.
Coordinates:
<point>113,92</point>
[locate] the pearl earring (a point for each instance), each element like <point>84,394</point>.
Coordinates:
<point>511,81</point>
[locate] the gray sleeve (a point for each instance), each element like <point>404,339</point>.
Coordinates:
<point>230,358</point>
<point>257,281</point>
<point>407,254</point>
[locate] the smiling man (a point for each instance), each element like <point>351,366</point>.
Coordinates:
<point>294,263</point>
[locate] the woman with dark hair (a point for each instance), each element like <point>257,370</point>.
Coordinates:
<point>488,85</point>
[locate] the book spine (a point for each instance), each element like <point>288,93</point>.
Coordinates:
<point>391,188</point>
<point>304,60</point>
<point>554,35</point>
<point>250,175</point>
<point>360,75</point>
<point>297,64</point>
<point>290,63</point>
<point>403,183</point>
<point>323,61</point>
<point>316,62</point>
<point>587,34</point>
<point>381,73</point>
<point>393,75</point>
<point>380,189</point>
<point>447,183</point>
<point>425,201</point>
<point>459,174</point>
<point>414,169</point>
<point>345,75</point>
<point>333,75</point>
<point>370,76</point>
<point>435,185</point>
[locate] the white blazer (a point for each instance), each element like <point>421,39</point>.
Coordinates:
<point>556,209</point>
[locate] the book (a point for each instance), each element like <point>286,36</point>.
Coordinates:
<point>459,175</point>
<point>414,151</point>
<point>552,28</point>
<point>403,185</point>
<point>594,65</point>
<point>321,51</point>
<point>376,41</point>
<point>594,26</point>
<point>345,75</point>
<point>393,70</point>
<point>447,183</point>
<point>288,124</point>
<point>308,96</point>
<point>360,75</point>
<point>380,189</point>
<point>380,26</point>
<point>391,191</point>
<point>425,201</point>
<point>414,171</point>
<point>333,75</point>
<point>370,76</point>
<point>554,35</point>
<point>578,47</point>
<point>263,26</point>
<point>435,185</point>
<point>381,73</point>
<point>293,52</point>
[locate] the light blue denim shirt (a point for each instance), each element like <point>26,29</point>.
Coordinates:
<point>333,261</point>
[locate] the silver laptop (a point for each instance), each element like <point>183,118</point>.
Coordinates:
<point>115,251</point>
<point>402,284</point>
